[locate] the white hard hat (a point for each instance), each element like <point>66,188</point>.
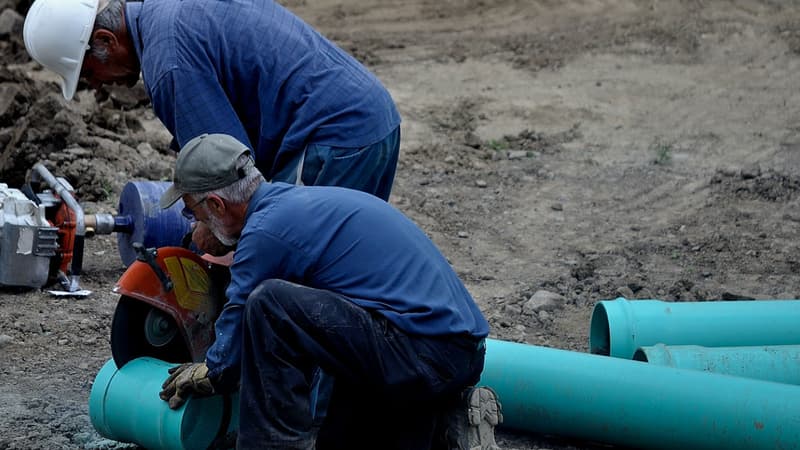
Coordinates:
<point>57,34</point>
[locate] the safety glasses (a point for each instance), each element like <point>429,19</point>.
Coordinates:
<point>188,211</point>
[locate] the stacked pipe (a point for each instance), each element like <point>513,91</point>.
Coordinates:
<point>753,339</point>
<point>622,401</point>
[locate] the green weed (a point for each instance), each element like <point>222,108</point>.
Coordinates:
<point>498,145</point>
<point>663,152</point>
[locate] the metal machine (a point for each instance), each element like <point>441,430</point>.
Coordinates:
<point>168,294</point>
<point>43,232</point>
<point>43,229</point>
<point>169,300</point>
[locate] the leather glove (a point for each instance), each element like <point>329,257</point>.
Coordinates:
<point>185,380</point>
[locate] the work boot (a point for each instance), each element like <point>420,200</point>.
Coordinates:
<point>471,425</point>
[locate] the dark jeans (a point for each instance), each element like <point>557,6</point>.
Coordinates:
<point>389,390</point>
<point>370,169</point>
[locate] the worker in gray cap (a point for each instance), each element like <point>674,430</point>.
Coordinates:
<point>335,278</point>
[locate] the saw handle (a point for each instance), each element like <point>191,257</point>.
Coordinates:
<point>148,256</point>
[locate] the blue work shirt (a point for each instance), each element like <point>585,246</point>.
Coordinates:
<point>253,70</point>
<point>348,242</point>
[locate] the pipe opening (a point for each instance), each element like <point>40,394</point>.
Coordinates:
<point>599,333</point>
<point>640,355</point>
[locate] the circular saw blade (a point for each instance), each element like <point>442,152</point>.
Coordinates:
<point>138,329</point>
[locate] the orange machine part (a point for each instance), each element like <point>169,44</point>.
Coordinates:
<point>64,220</point>
<point>188,302</point>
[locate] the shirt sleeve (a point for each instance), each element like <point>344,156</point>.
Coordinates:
<point>258,258</point>
<point>190,103</point>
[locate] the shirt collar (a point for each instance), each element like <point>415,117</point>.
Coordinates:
<point>132,12</point>
<point>262,191</point>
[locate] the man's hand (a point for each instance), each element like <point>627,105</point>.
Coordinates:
<point>205,240</point>
<point>185,380</point>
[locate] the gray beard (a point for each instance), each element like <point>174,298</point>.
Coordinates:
<point>216,228</point>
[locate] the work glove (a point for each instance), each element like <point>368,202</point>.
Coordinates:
<point>185,380</point>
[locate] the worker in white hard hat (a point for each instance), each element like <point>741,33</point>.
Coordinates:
<point>62,48</point>
<point>251,69</point>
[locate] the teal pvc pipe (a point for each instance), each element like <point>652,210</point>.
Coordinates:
<point>638,405</point>
<point>619,327</point>
<point>124,406</point>
<point>778,363</point>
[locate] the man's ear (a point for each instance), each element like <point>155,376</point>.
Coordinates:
<point>215,204</point>
<point>104,38</point>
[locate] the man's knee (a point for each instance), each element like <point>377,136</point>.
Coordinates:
<point>269,295</point>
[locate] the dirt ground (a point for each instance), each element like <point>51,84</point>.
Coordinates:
<point>588,148</point>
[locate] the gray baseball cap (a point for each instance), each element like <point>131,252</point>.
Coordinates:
<point>205,163</point>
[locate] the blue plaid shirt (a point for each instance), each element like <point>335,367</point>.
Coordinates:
<point>348,242</point>
<point>254,70</point>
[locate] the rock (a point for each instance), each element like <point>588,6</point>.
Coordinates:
<point>472,140</point>
<point>10,23</point>
<point>78,152</point>
<point>625,292</point>
<point>463,234</point>
<point>125,98</point>
<point>5,340</point>
<point>542,301</point>
<point>8,102</point>
<point>27,326</point>
<point>751,171</point>
<point>544,316</point>
<point>481,183</point>
<point>646,293</point>
<point>517,154</point>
